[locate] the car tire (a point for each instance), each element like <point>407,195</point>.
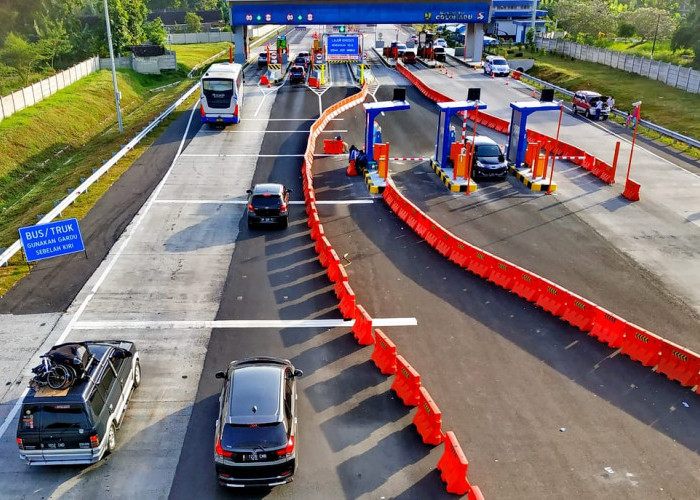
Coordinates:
<point>111,438</point>
<point>574,109</point>
<point>588,114</point>
<point>604,117</point>
<point>137,374</point>
<point>284,223</point>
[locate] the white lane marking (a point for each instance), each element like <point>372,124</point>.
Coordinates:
<point>290,119</point>
<point>265,131</point>
<point>244,202</point>
<point>226,155</point>
<point>236,323</point>
<point>74,320</point>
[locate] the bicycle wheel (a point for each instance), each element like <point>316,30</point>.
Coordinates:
<point>58,377</point>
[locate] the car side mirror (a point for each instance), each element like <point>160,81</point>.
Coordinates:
<point>289,190</point>
<point>220,375</point>
<point>298,372</point>
<point>249,191</point>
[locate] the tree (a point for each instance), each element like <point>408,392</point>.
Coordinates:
<point>54,43</point>
<point>588,18</point>
<point>136,12</point>
<point>193,22</point>
<point>20,55</point>
<point>687,36</point>
<point>155,31</point>
<point>651,23</point>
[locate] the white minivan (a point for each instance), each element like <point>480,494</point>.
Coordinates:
<point>496,66</point>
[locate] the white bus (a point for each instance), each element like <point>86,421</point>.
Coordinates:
<point>222,93</point>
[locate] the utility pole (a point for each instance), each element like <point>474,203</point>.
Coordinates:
<point>656,32</point>
<point>117,96</point>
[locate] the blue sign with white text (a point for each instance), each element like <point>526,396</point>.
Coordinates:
<point>51,240</point>
<point>343,45</point>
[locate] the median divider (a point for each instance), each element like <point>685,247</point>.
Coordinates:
<point>453,466</point>
<point>676,362</point>
<point>348,302</point>
<point>362,329</point>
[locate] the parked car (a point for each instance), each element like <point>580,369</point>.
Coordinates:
<point>262,59</point>
<point>256,429</point>
<point>489,162</point>
<point>409,57</point>
<point>585,101</point>
<point>268,204</point>
<point>496,66</point>
<point>297,74</point>
<point>78,424</point>
<point>440,42</point>
<point>439,54</point>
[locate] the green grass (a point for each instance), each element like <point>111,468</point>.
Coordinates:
<point>46,149</point>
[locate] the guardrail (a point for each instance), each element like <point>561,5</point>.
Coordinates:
<point>651,126</point>
<point>17,245</point>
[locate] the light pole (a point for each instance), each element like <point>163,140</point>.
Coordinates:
<point>656,32</point>
<point>117,96</point>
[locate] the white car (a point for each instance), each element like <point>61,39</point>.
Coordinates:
<point>496,66</point>
<point>440,42</point>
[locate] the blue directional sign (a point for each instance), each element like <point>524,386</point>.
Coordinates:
<point>343,45</point>
<point>51,240</point>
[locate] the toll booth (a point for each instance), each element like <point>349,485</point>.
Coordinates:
<point>372,109</point>
<point>447,111</point>
<point>517,139</point>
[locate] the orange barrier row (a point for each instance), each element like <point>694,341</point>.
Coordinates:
<point>676,362</point>
<point>362,329</point>
<point>384,354</point>
<point>428,419</point>
<point>453,467</point>
<point>406,382</point>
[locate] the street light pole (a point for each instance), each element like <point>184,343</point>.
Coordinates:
<point>114,71</point>
<point>656,32</point>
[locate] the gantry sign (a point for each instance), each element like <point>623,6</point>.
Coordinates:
<point>332,12</point>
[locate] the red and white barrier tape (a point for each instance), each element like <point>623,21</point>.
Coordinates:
<point>409,159</point>
<point>570,157</point>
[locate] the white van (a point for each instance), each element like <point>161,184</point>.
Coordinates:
<point>496,66</point>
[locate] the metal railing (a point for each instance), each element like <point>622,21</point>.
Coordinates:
<point>647,124</point>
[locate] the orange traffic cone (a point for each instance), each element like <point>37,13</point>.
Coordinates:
<point>534,93</point>
<point>452,74</point>
<point>507,79</point>
<point>492,74</point>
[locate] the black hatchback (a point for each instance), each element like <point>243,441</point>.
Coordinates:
<point>256,430</point>
<point>268,204</point>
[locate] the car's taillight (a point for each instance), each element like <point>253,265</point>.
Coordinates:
<point>201,109</point>
<point>250,207</point>
<point>20,444</point>
<point>283,208</point>
<point>288,449</point>
<point>94,441</point>
<point>235,111</point>
<point>221,452</point>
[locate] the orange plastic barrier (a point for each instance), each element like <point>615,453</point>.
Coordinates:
<point>475,493</point>
<point>453,466</point>
<point>342,278</point>
<point>502,274</point>
<point>608,328</point>
<point>332,146</point>
<point>680,364</point>
<point>313,221</point>
<point>444,244</point>
<point>406,382</point>
<point>347,301</point>
<point>631,191</point>
<point>641,345</point>
<point>482,264</point>
<point>334,265</point>
<point>552,299</point>
<point>317,231</point>
<point>362,329</point>
<point>526,285</point>
<point>384,354</point>
<point>462,253</point>
<point>580,313</point>
<point>428,419</point>
<point>322,247</point>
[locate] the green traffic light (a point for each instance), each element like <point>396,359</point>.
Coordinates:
<point>299,17</point>
<point>341,29</point>
<point>259,17</point>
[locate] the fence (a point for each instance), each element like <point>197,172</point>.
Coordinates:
<point>675,76</point>
<point>28,96</point>
<point>204,37</point>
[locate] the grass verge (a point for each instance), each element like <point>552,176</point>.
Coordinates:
<point>48,148</point>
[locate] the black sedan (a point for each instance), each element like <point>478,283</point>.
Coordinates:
<point>268,204</point>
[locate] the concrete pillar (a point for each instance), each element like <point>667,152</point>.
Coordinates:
<point>475,41</point>
<point>240,40</point>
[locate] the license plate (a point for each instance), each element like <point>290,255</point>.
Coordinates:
<point>266,219</point>
<point>219,119</point>
<point>256,457</point>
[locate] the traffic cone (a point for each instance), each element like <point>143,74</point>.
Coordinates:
<point>492,75</point>
<point>452,74</point>
<point>507,79</point>
<point>534,93</point>
<point>268,84</point>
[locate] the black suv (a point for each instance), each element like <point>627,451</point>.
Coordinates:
<point>268,204</point>
<point>256,430</point>
<point>77,425</point>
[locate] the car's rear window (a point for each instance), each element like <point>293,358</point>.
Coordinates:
<point>54,417</point>
<point>268,436</point>
<point>297,71</point>
<point>488,150</point>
